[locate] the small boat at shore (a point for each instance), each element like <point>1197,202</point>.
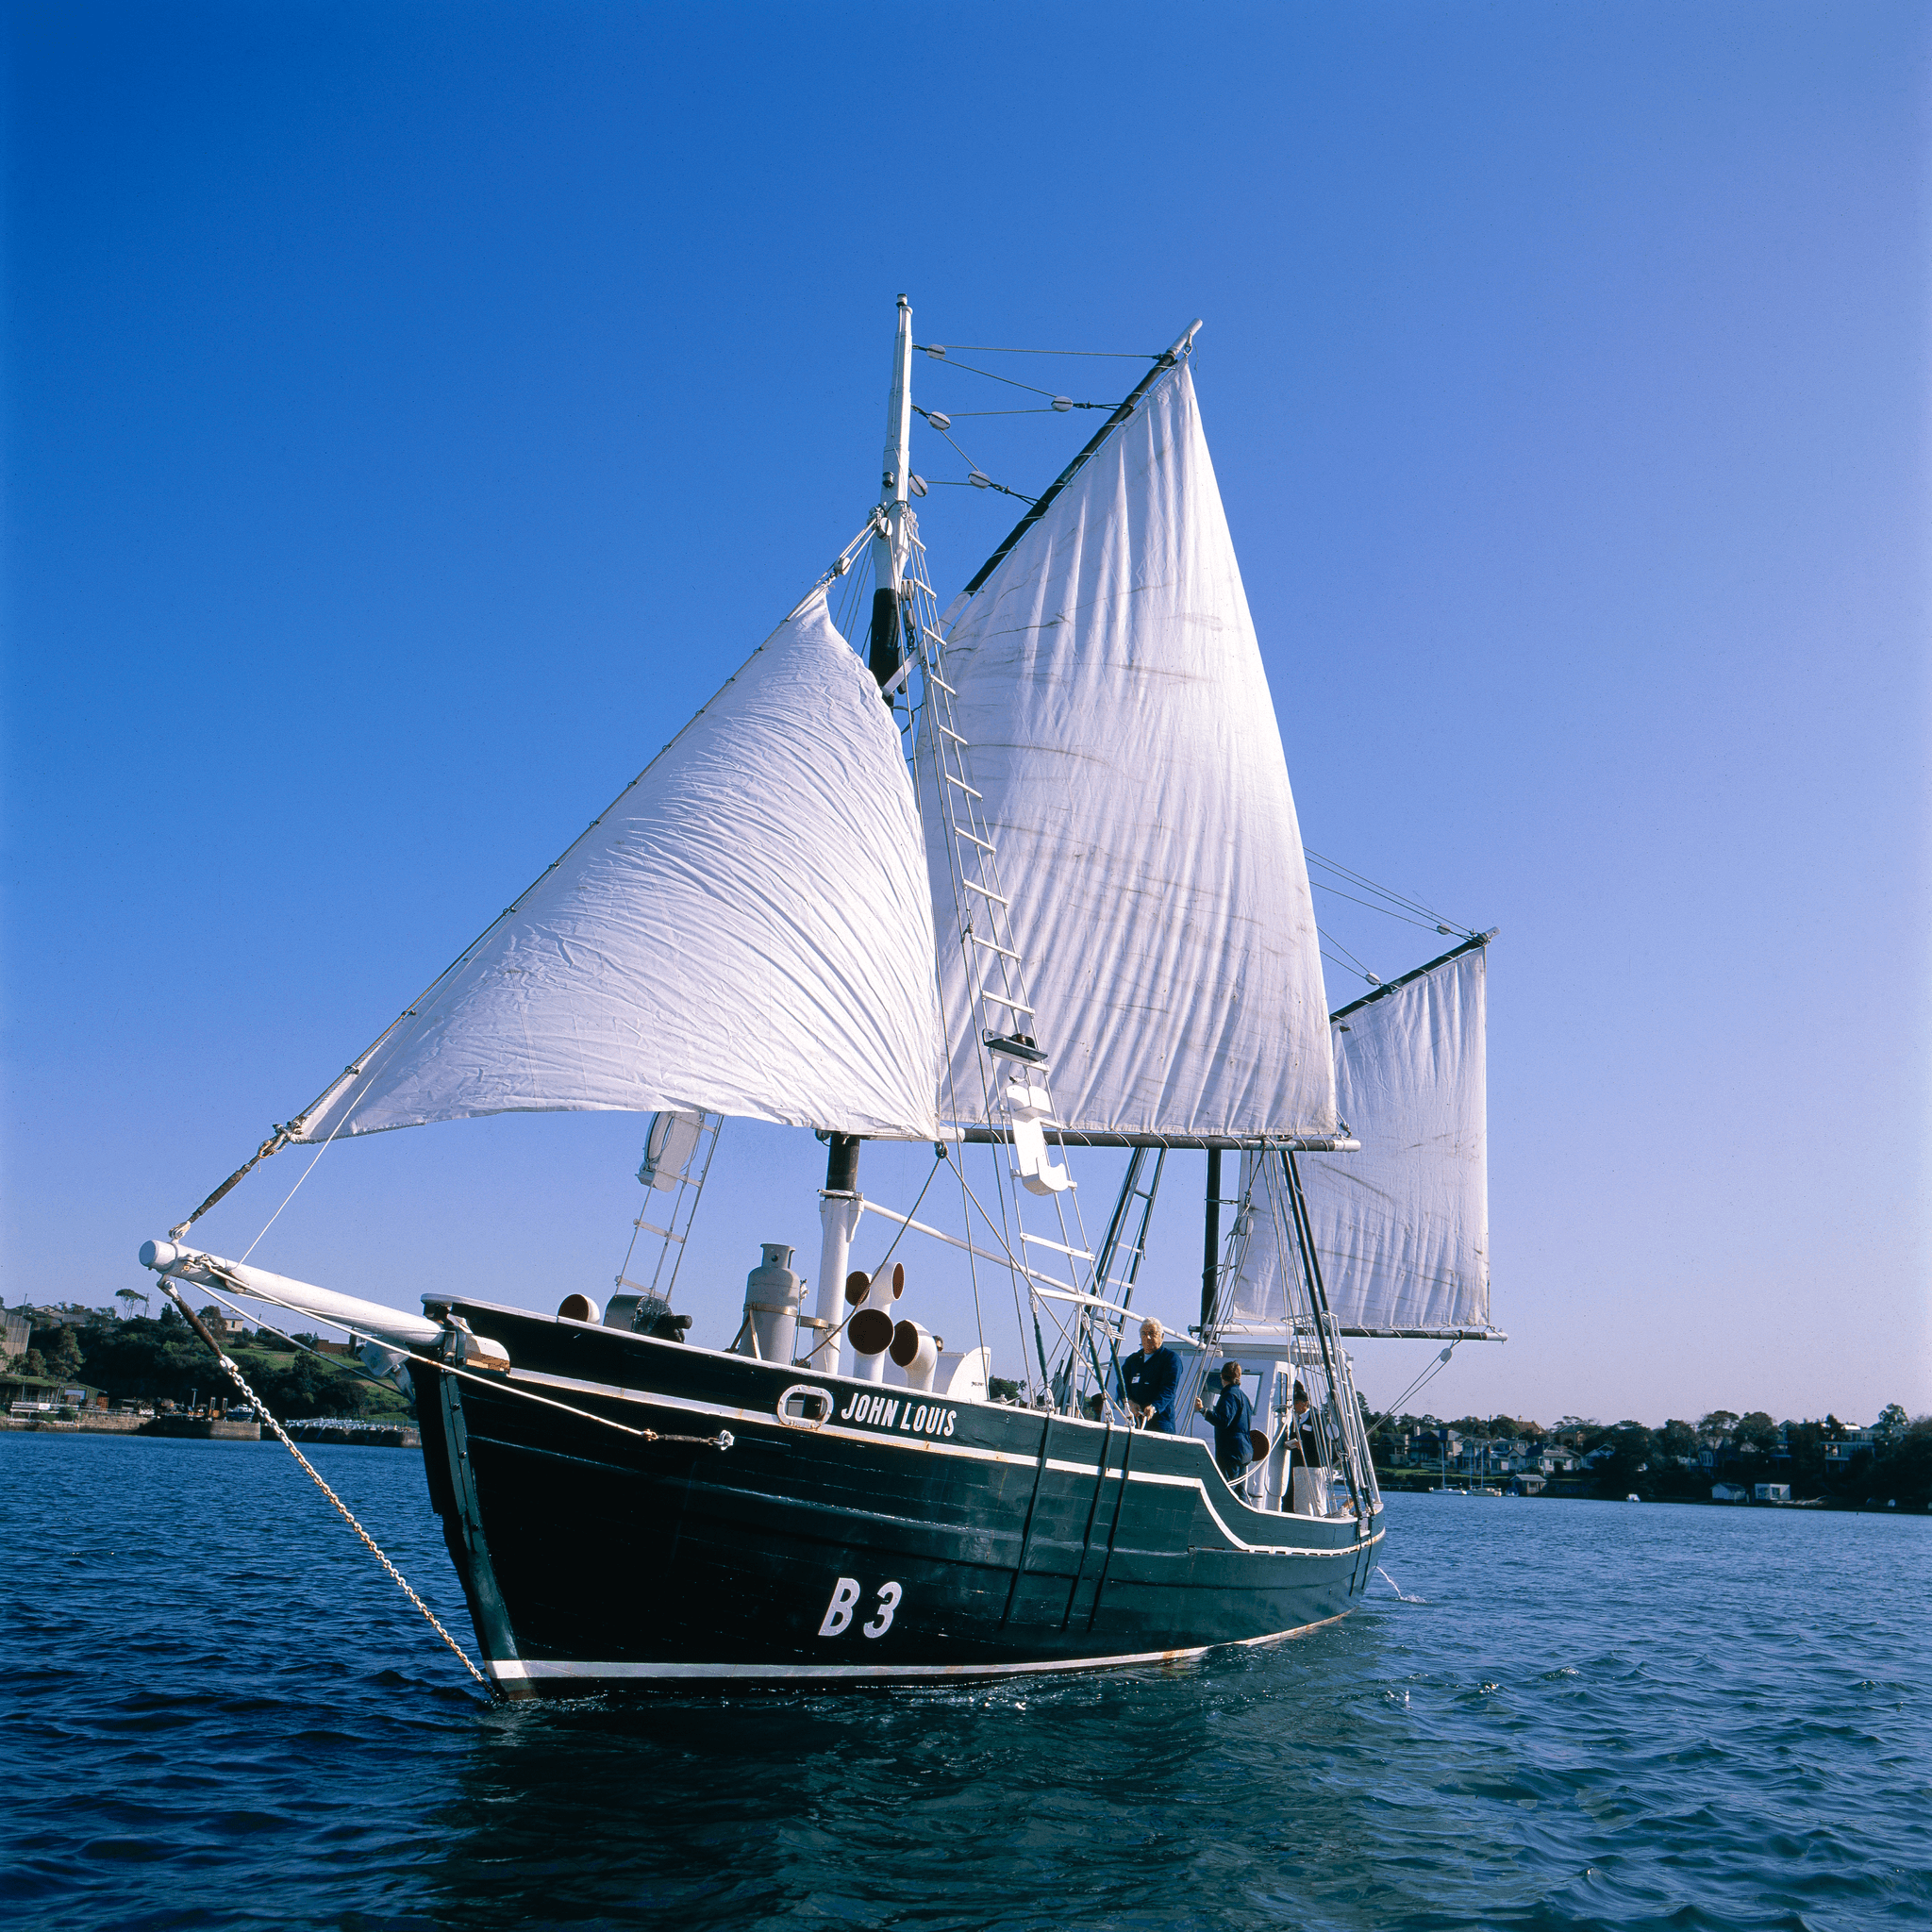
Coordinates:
<point>1015,879</point>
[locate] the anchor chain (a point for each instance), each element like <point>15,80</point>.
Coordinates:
<point>241,1381</point>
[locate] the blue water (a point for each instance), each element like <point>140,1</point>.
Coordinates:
<point>220,1713</point>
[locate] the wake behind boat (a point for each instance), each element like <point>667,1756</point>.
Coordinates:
<point>1024,877</point>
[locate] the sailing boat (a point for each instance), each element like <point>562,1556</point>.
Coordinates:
<point>1024,877</point>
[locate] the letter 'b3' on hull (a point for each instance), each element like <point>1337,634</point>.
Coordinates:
<point>850,1534</point>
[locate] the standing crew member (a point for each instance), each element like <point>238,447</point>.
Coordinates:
<point>1151,1380</point>
<point>1306,1449</point>
<point>1233,1416</point>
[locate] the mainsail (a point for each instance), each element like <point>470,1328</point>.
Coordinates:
<point>1401,1229</point>
<point>1123,738</point>
<point>747,931</point>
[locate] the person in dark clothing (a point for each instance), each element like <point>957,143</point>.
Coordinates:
<point>1233,1416</point>
<point>1306,1449</point>
<point>1150,1380</point>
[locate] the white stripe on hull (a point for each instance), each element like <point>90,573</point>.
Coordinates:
<point>528,1669</point>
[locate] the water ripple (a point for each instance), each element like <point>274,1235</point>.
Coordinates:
<point>221,1715</point>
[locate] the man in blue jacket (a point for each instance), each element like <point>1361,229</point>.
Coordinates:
<point>1151,1380</point>
<point>1233,1416</point>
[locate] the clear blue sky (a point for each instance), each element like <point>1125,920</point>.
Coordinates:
<point>413,412</point>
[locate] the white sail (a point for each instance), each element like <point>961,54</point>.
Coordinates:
<point>1401,1229</point>
<point>1120,728</point>
<point>746,931</point>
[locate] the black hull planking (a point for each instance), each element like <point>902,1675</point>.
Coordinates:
<point>903,1537</point>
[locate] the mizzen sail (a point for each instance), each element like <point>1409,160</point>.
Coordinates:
<point>747,931</point>
<point>1401,1229</point>
<point>1122,737</point>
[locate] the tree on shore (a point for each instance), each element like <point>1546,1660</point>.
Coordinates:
<point>59,1351</point>
<point>161,1360</point>
<point>1897,1471</point>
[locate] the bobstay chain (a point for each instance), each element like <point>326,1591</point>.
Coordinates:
<point>241,1381</point>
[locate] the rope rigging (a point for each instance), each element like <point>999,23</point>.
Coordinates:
<point>723,1440</point>
<point>976,478</point>
<point>241,1381</point>
<point>1391,904</point>
<point>1059,402</point>
<point>1408,907</point>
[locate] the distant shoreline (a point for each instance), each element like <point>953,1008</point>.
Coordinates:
<point>327,1433</point>
<point>170,1428</point>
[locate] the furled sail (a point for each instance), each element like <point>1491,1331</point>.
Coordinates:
<point>1401,1229</point>
<point>747,931</point>
<point>1119,730</point>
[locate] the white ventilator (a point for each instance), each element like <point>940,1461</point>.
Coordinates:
<point>916,1354</point>
<point>1125,748</point>
<point>872,1325</point>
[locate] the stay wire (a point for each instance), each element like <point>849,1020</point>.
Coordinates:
<point>1363,880</point>
<point>1388,912</point>
<point>900,1234</point>
<point>989,483</point>
<point>990,349</point>
<point>1031,388</point>
<point>967,483</point>
<point>1347,967</point>
<point>306,1173</point>
<point>1436,1364</point>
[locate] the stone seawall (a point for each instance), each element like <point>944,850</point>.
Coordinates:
<point>359,1435</point>
<point>105,1425</point>
<point>202,1430</point>
<point>185,1427</point>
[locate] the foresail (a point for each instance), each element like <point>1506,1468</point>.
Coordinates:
<point>1401,1229</point>
<point>747,931</point>
<point>1122,737</point>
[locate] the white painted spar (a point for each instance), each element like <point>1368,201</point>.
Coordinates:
<point>303,1297</point>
